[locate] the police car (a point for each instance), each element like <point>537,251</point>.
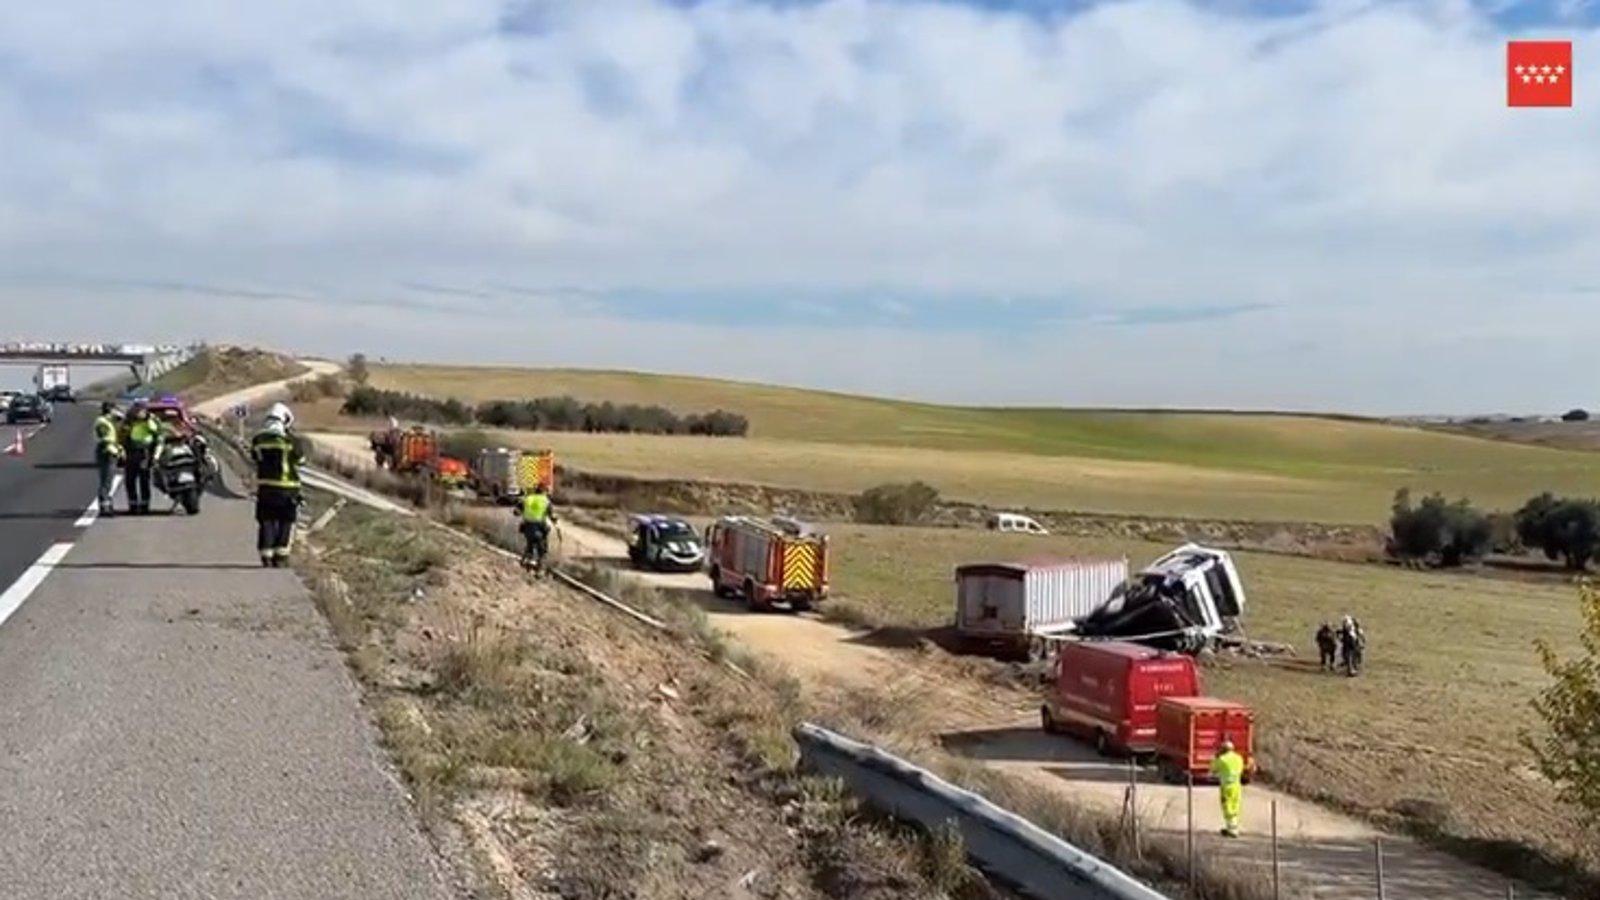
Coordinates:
<point>664,544</point>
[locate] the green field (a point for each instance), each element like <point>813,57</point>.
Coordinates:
<point>1214,465</point>
<point>1426,733</point>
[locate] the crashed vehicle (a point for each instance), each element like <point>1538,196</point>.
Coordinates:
<point>1186,600</point>
<point>664,544</point>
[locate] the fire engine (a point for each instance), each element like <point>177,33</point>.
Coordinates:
<point>767,561</point>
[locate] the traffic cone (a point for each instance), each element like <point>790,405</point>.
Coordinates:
<point>16,448</point>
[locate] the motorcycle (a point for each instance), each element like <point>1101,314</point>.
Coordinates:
<point>182,472</point>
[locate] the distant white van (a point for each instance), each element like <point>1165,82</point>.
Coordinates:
<point>1012,522</point>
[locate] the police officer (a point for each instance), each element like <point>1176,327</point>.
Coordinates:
<point>278,456</point>
<point>107,453</point>
<point>141,442</point>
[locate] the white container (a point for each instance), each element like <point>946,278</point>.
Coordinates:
<point>1012,603</point>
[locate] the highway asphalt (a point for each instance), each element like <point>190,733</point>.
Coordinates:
<point>176,721</point>
<point>45,491</point>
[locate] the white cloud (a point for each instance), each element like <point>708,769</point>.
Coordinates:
<point>1352,169</point>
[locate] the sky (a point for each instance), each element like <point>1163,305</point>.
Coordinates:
<point>1218,203</point>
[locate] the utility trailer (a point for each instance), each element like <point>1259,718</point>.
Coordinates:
<point>1015,609</point>
<point>1187,600</point>
<point>1190,732</point>
<point>767,561</point>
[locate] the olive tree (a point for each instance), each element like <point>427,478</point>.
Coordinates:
<point>1568,751</point>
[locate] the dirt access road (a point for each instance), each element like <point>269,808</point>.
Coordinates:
<point>252,396</point>
<point>1327,855</point>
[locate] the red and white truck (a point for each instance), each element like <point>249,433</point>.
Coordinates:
<point>767,561</point>
<point>1107,692</point>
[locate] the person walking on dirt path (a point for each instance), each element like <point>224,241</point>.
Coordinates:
<point>536,514</point>
<point>1228,769</point>
<point>1328,646</point>
<point>107,454</point>
<point>141,443</point>
<point>278,456</point>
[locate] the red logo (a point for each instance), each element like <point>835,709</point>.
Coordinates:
<point>1539,73</point>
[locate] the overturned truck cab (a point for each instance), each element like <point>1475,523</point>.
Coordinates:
<point>1183,601</point>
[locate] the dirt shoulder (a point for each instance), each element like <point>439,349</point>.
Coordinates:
<point>562,751</point>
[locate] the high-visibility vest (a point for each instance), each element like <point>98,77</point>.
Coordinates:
<point>278,460</point>
<point>143,433</point>
<point>1228,768</point>
<point>105,433</point>
<point>535,507</point>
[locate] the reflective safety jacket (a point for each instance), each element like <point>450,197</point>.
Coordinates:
<point>105,435</point>
<point>142,434</point>
<point>278,459</point>
<point>1228,768</point>
<point>535,507</point>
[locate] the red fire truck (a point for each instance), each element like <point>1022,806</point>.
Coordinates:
<point>767,561</point>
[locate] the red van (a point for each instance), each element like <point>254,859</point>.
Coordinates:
<point>1107,691</point>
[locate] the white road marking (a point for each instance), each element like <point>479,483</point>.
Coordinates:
<point>24,587</point>
<point>93,512</point>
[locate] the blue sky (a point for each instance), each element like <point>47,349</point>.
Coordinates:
<point>1299,203</point>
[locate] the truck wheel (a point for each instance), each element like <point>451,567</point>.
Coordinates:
<point>1169,771</point>
<point>191,502</point>
<point>717,590</point>
<point>1102,743</point>
<point>754,602</point>
<point>800,604</point>
<point>1047,721</point>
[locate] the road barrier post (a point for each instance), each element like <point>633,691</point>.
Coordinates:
<point>1133,804</point>
<point>1377,856</point>
<point>1189,846</point>
<point>1276,895</point>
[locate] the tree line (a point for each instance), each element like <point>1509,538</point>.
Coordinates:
<point>1452,533</point>
<point>543,414</point>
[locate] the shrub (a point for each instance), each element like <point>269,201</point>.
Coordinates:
<point>1564,528</point>
<point>367,401</point>
<point>464,445</point>
<point>545,414</point>
<point>1435,529</point>
<point>896,504</point>
<point>1569,752</point>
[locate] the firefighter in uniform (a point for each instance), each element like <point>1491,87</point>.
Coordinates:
<point>107,453</point>
<point>141,444</point>
<point>278,456</point>
<point>1228,768</point>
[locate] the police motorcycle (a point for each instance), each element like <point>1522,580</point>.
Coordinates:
<point>183,470</point>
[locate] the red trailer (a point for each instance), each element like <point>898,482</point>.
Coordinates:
<point>1107,691</point>
<point>1190,729</point>
<point>765,561</point>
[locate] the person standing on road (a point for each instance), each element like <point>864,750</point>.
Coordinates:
<point>278,456</point>
<point>141,439</point>
<point>107,453</point>
<point>1228,769</point>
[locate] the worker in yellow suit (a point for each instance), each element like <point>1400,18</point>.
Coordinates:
<point>1228,769</point>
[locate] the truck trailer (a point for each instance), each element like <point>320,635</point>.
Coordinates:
<point>767,561</point>
<point>1016,608</point>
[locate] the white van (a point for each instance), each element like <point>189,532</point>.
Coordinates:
<point>1011,522</point>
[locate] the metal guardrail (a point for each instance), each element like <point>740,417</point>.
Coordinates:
<point>1001,843</point>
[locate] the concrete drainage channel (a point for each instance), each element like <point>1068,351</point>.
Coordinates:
<point>1000,843</point>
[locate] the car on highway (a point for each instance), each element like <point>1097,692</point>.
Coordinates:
<point>59,393</point>
<point>27,408</point>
